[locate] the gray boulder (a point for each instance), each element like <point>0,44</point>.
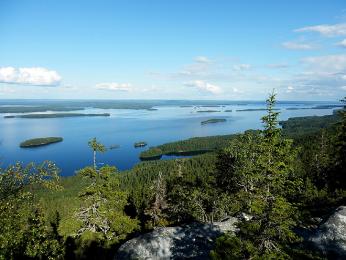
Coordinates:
<point>190,241</point>
<point>330,237</point>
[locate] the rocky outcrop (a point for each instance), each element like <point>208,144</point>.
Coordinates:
<point>330,237</point>
<point>190,241</point>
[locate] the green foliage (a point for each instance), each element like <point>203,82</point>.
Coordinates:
<point>96,147</point>
<point>40,141</point>
<point>262,178</point>
<point>17,186</point>
<point>194,197</point>
<point>271,180</point>
<point>192,146</point>
<point>340,150</point>
<point>298,126</point>
<point>138,182</point>
<point>213,121</point>
<point>102,215</point>
<point>41,241</point>
<point>156,212</point>
<point>57,115</point>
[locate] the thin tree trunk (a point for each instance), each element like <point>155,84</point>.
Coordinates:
<point>95,160</point>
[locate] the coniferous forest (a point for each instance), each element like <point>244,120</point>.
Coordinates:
<point>277,181</point>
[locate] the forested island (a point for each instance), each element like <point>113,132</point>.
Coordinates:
<point>208,111</point>
<point>315,107</point>
<point>40,142</point>
<point>253,109</point>
<point>57,115</point>
<point>213,121</point>
<point>140,144</point>
<point>279,186</point>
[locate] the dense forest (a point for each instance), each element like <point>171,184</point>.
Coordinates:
<point>284,178</point>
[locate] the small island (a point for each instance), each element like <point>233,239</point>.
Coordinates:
<point>254,109</point>
<point>114,146</point>
<point>56,115</point>
<point>40,142</point>
<point>298,108</point>
<point>140,144</point>
<point>213,121</point>
<point>228,110</point>
<point>208,111</point>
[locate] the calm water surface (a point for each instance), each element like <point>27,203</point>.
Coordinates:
<point>124,128</point>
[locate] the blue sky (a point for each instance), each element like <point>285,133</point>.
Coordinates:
<point>182,49</point>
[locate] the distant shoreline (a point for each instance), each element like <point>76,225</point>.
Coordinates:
<point>56,115</point>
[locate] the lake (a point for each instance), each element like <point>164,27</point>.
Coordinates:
<point>124,127</point>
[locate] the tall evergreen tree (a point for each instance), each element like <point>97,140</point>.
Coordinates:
<point>96,147</point>
<point>340,150</point>
<point>263,179</point>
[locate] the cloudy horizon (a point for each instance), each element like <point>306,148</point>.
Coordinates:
<point>175,50</point>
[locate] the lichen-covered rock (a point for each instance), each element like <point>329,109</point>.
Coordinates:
<point>330,237</point>
<point>190,241</point>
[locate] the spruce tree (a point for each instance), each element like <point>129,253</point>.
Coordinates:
<point>340,151</point>
<point>263,178</point>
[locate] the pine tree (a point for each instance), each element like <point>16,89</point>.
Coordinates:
<point>96,147</point>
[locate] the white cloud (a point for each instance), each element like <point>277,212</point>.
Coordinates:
<point>241,67</point>
<point>325,29</point>
<point>319,76</point>
<point>202,59</point>
<point>237,90</point>
<point>343,87</point>
<point>342,43</point>
<point>29,76</point>
<point>289,89</point>
<point>113,86</point>
<point>204,86</point>
<point>298,46</point>
<point>326,64</point>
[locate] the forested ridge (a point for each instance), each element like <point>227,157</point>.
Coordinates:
<point>282,178</point>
